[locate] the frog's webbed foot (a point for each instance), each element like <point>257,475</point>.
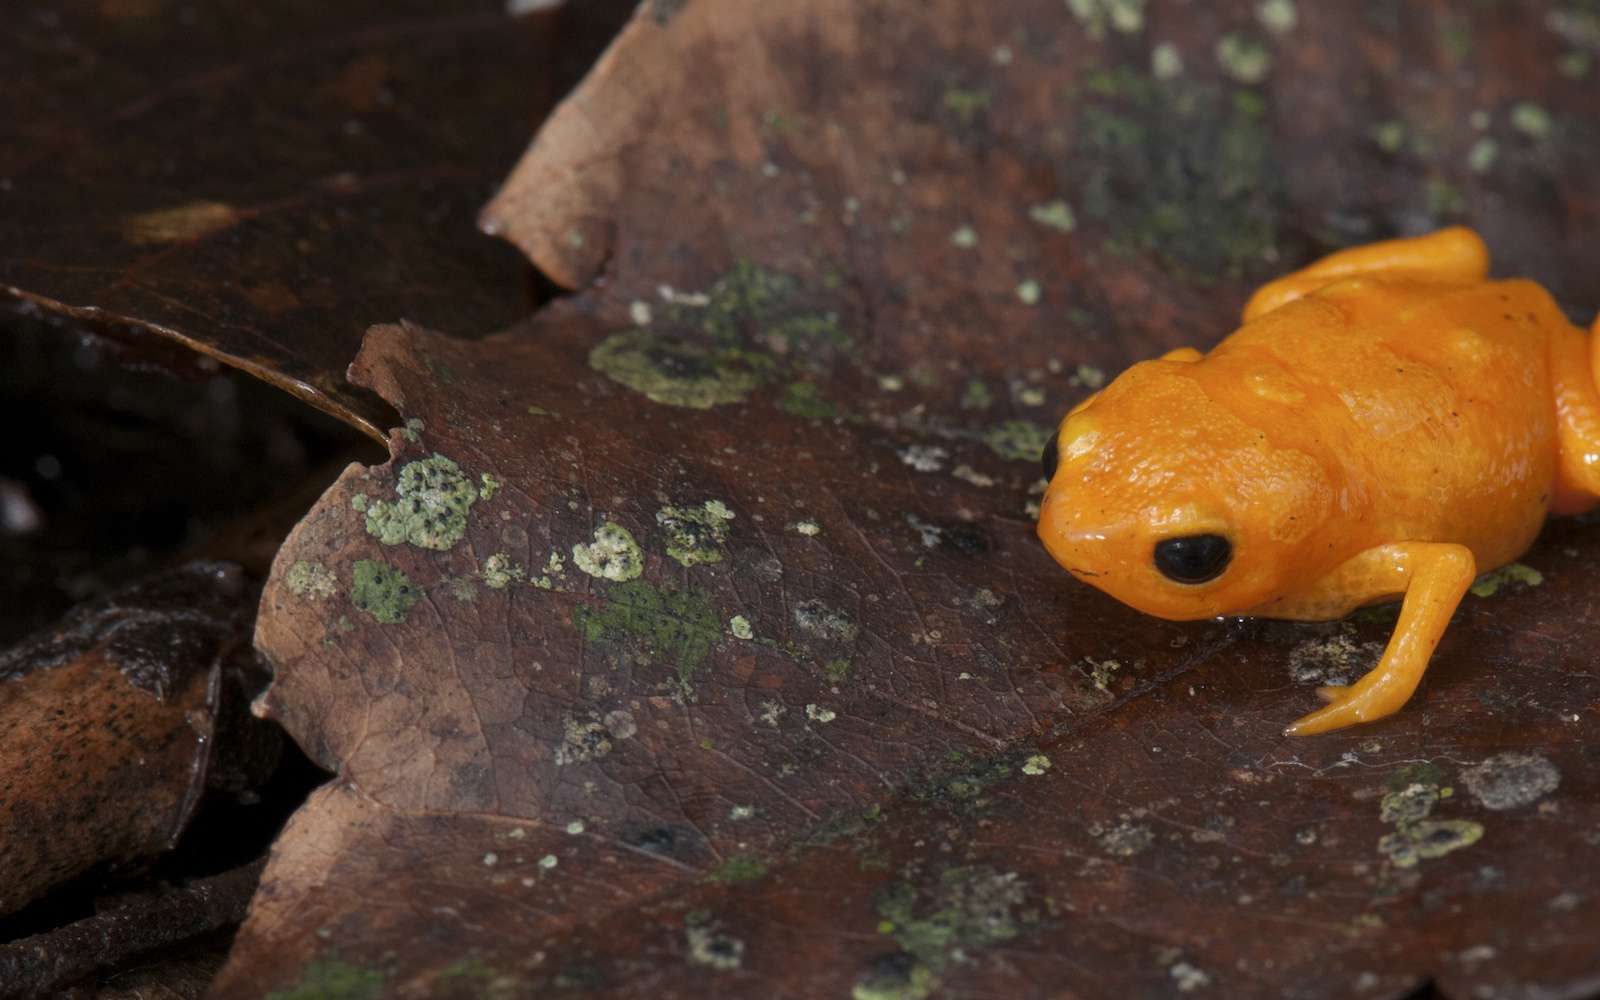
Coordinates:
<point>1433,576</point>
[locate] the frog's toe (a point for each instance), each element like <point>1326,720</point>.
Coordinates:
<point>1332,692</point>
<point>1343,709</point>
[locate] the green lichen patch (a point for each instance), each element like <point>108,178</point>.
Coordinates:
<point>1018,440</point>
<point>837,671</point>
<point>970,908</point>
<point>311,580</point>
<point>966,105</point>
<point>1510,574</point>
<point>1425,839</point>
<point>489,485</point>
<point>1178,171</point>
<point>804,400</point>
<point>739,868</point>
<point>960,782</point>
<point>739,627</point>
<point>383,592</point>
<point>680,627</point>
<point>752,327</point>
<point>613,555</point>
<point>695,534</point>
<point>1414,792</point>
<point>673,371</point>
<point>333,980</point>
<point>431,509</point>
<point>895,977</point>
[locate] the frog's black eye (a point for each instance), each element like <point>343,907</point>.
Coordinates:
<point>1193,558</point>
<point>1052,456</point>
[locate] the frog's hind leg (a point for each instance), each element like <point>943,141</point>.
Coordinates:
<point>1454,255</point>
<point>1575,374</point>
<point>1433,576</point>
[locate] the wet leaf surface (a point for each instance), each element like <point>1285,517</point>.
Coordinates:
<point>695,639</point>
<point>258,182</point>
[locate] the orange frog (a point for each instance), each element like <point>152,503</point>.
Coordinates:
<point>1387,422</point>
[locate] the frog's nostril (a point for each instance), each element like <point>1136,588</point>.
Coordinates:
<point>1052,455</point>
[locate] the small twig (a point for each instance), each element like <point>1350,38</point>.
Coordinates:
<point>43,962</point>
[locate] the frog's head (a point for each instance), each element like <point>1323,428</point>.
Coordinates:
<point>1171,503</point>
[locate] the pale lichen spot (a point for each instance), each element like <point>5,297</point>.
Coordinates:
<point>1243,58</point>
<point>575,827</point>
<point>311,580</point>
<point>413,429</point>
<point>549,861</point>
<point>819,713</point>
<point>613,555</point>
<point>1277,16</point>
<point>500,571</point>
<point>1480,159</point>
<point>639,312</point>
<point>968,474</point>
<point>1188,977</point>
<point>711,948</point>
<point>1126,839</point>
<point>740,814</point>
<point>964,238</point>
<point>488,485</point>
<point>924,458</point>
<point>1036,765</point>
<point>809,528</point>
<point>431,509</point>
<point>1531,120</point>
<point>1087,377</point>
<point>180,224</point>
<point>1166,63</point>
<point>1029,292</point>
<point>1511,779</point>
<point>824,622</point>
<point>1055,215</point>
<point>739,627</point>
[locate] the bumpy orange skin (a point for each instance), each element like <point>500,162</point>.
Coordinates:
<point>1387,421</point>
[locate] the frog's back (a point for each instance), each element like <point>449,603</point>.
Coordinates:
<point>1434,399</point>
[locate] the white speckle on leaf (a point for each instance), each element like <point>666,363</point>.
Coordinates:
<point>818,713</point>
<point>924,458</point>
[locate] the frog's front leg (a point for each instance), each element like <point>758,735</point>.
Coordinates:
<point>1433,576</point>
